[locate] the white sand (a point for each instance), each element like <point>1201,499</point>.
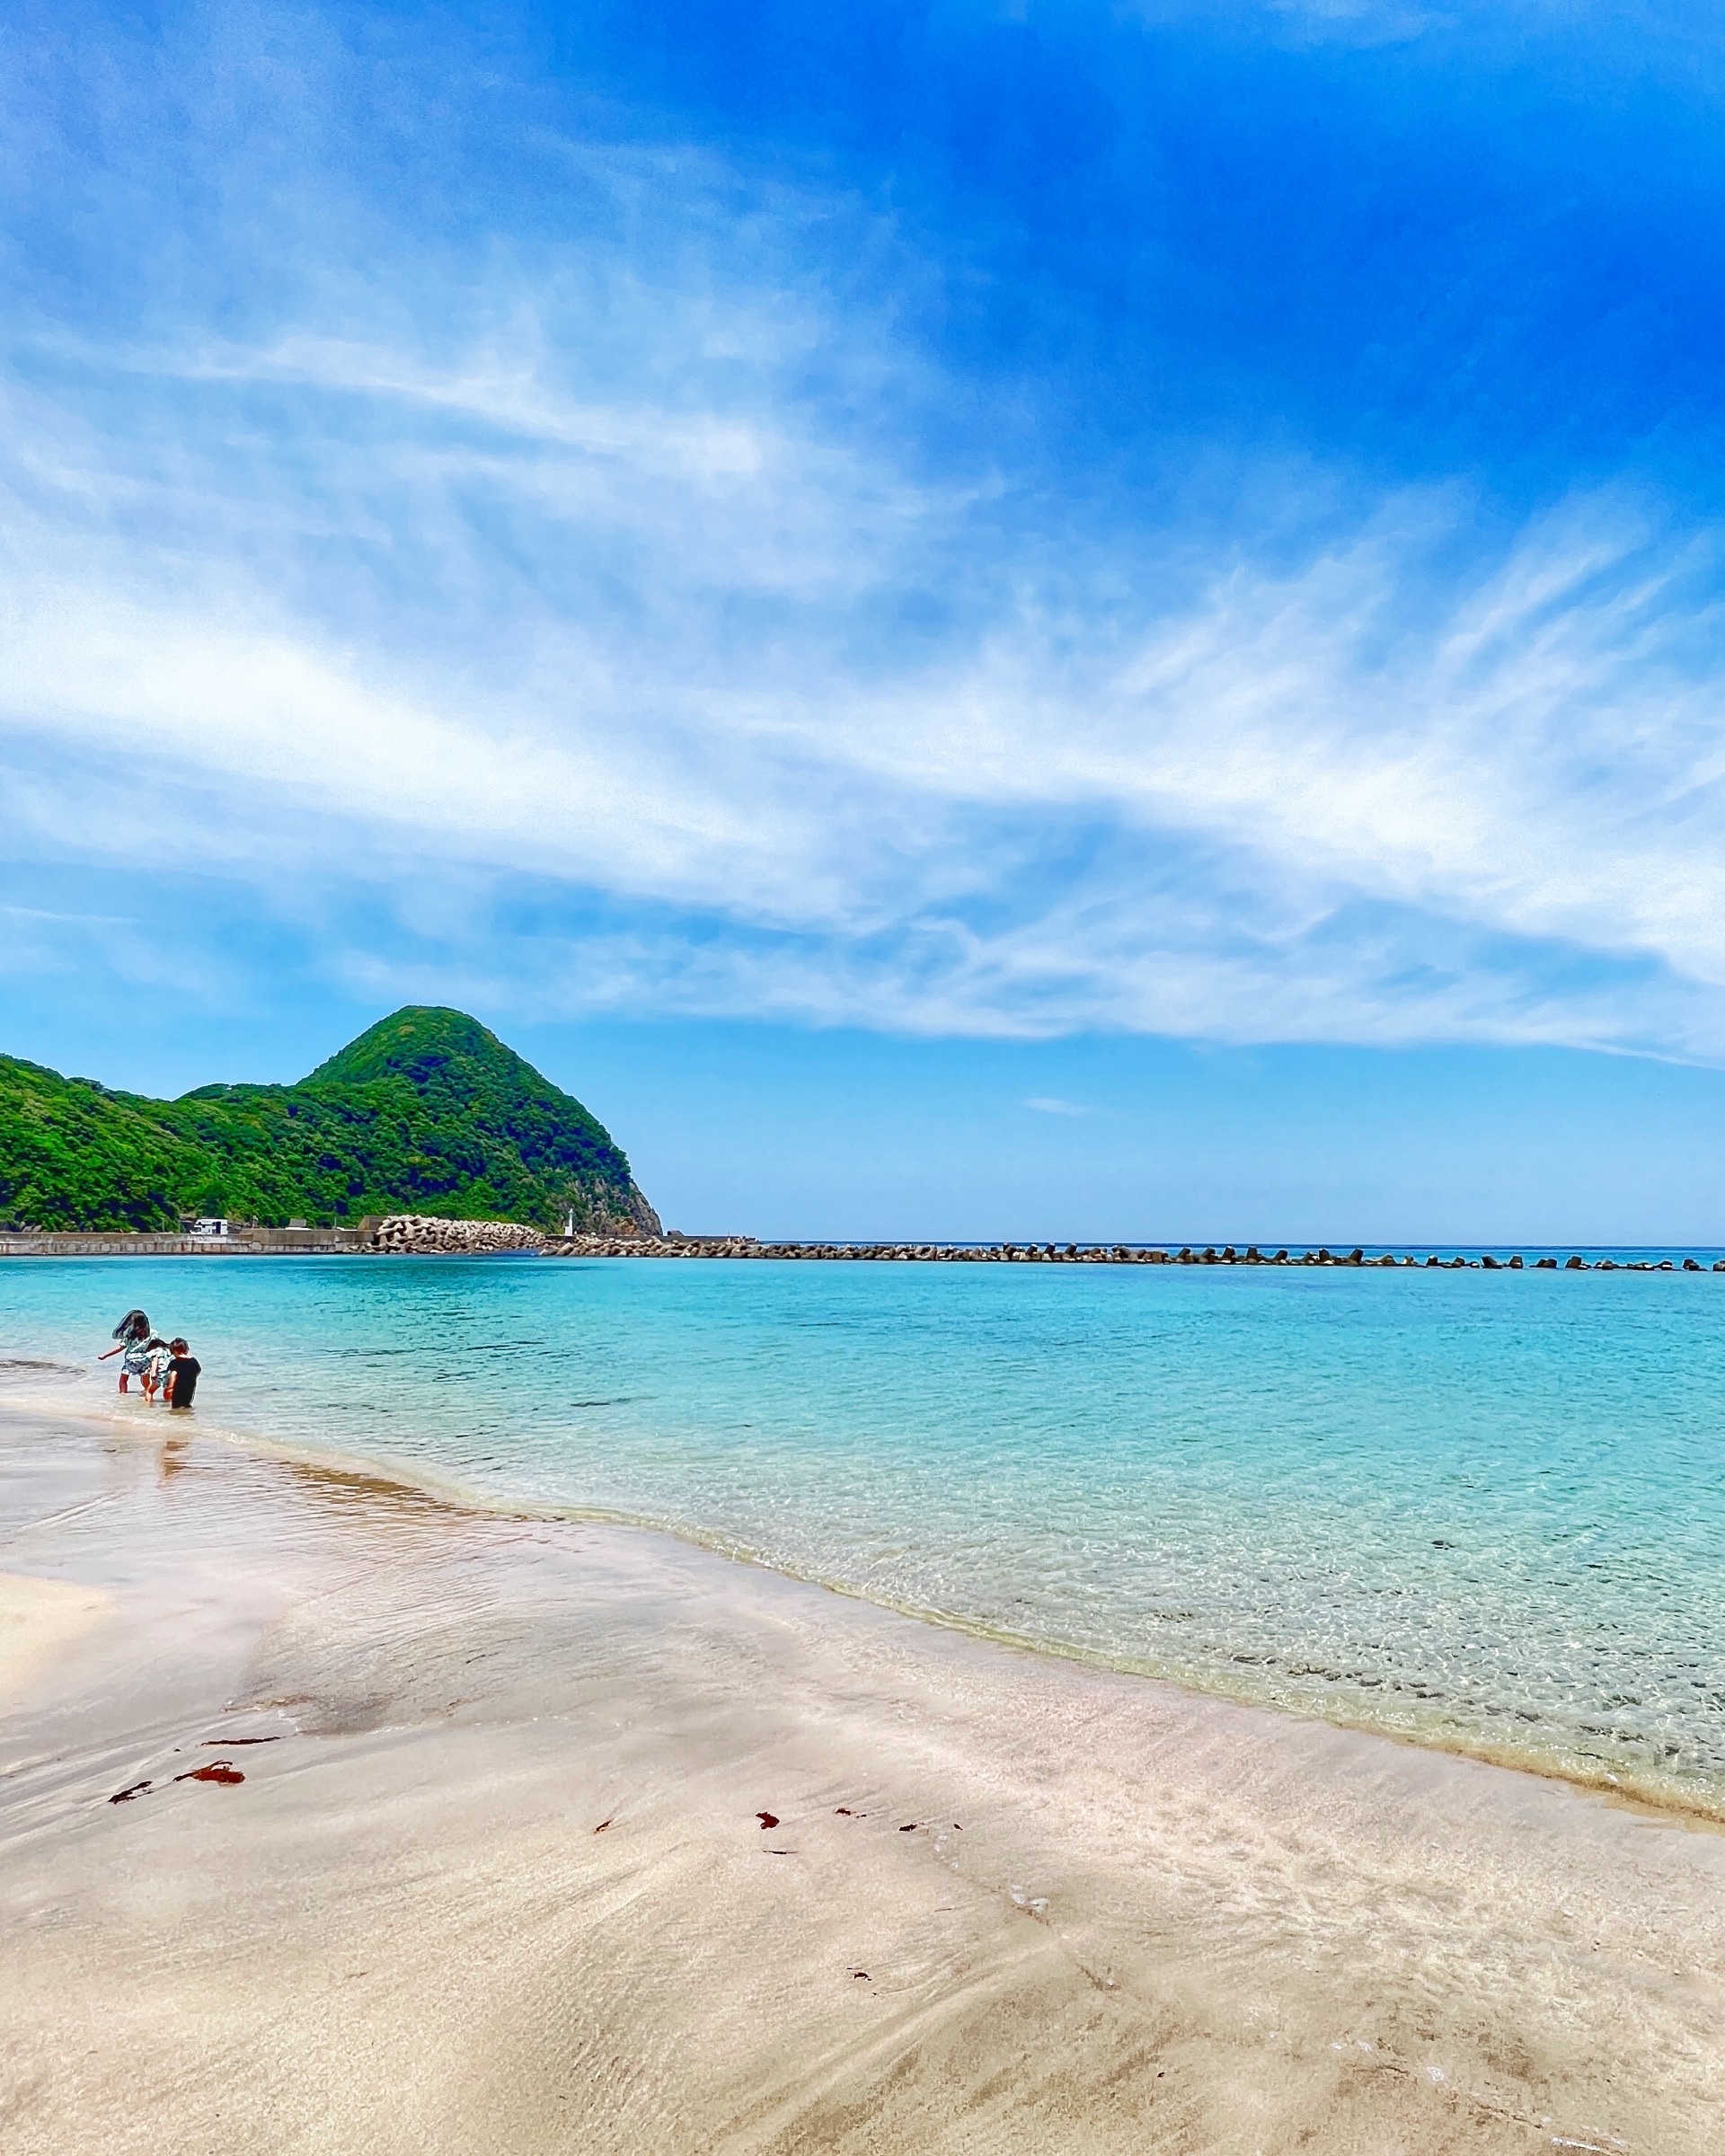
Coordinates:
<point>40,1620</point>
<point>1125,1919</point>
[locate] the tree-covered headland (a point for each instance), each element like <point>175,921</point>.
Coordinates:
<point>425,1112</point>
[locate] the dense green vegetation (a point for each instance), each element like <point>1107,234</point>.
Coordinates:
<point>427,1112</point>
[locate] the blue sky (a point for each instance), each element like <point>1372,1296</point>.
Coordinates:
<point>970,619</point>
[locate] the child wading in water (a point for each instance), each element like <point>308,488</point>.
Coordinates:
<point>183,1376</point>
<point>156,1369</point>
<point>137,1342</point>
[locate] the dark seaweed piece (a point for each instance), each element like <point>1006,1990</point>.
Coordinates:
<point>600,1828</point>
<point>226,1741</point>
<point>911,1829</point>
<point>862,1976</point>
<point>768,1820</point>
<point>125,1796</point>
<point>222,1771</point>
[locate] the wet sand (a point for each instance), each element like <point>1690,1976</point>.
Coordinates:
<point>39,1620</point>
<point>563,1837</point>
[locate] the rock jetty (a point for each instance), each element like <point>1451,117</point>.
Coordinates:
<point>418,1234</point>
<point>1076,1253</point>
<point>410,1234</point>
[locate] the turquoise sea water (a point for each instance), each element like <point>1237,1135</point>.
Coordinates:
<point>1483,1509</point>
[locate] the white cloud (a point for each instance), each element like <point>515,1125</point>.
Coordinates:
<point>617,573</point>
<point>1299,806</point>
<point>1046,1105</point>
<point>1538,754</point>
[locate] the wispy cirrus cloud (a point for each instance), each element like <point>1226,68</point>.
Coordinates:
<point>1348,800</point>
<point>628,607</point>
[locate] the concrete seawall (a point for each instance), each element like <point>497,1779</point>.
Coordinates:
<point>248,1243</point>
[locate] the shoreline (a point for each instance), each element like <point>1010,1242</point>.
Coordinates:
<point>534,1756</point>
<point>390,1476</point>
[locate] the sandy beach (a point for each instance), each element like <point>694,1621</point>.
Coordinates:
<point>558,1836</point>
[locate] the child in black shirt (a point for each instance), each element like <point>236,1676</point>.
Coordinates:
<point>181,1376</point>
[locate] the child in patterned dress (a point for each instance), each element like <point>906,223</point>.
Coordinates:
<point>137,1342</point>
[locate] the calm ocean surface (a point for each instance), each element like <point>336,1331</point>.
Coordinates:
<point>1487,1509</point>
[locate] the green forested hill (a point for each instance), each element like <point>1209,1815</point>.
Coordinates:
<point>426,1112</point>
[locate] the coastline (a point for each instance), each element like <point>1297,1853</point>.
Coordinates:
<point>410,1482</point>
<point>1197,1923</point>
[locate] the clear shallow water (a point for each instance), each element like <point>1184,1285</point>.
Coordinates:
<point>1483,1509</point>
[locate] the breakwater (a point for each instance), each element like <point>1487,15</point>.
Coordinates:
<point>425,1235</point>
<point>1095,1253</point>
<point>422,1234</point>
